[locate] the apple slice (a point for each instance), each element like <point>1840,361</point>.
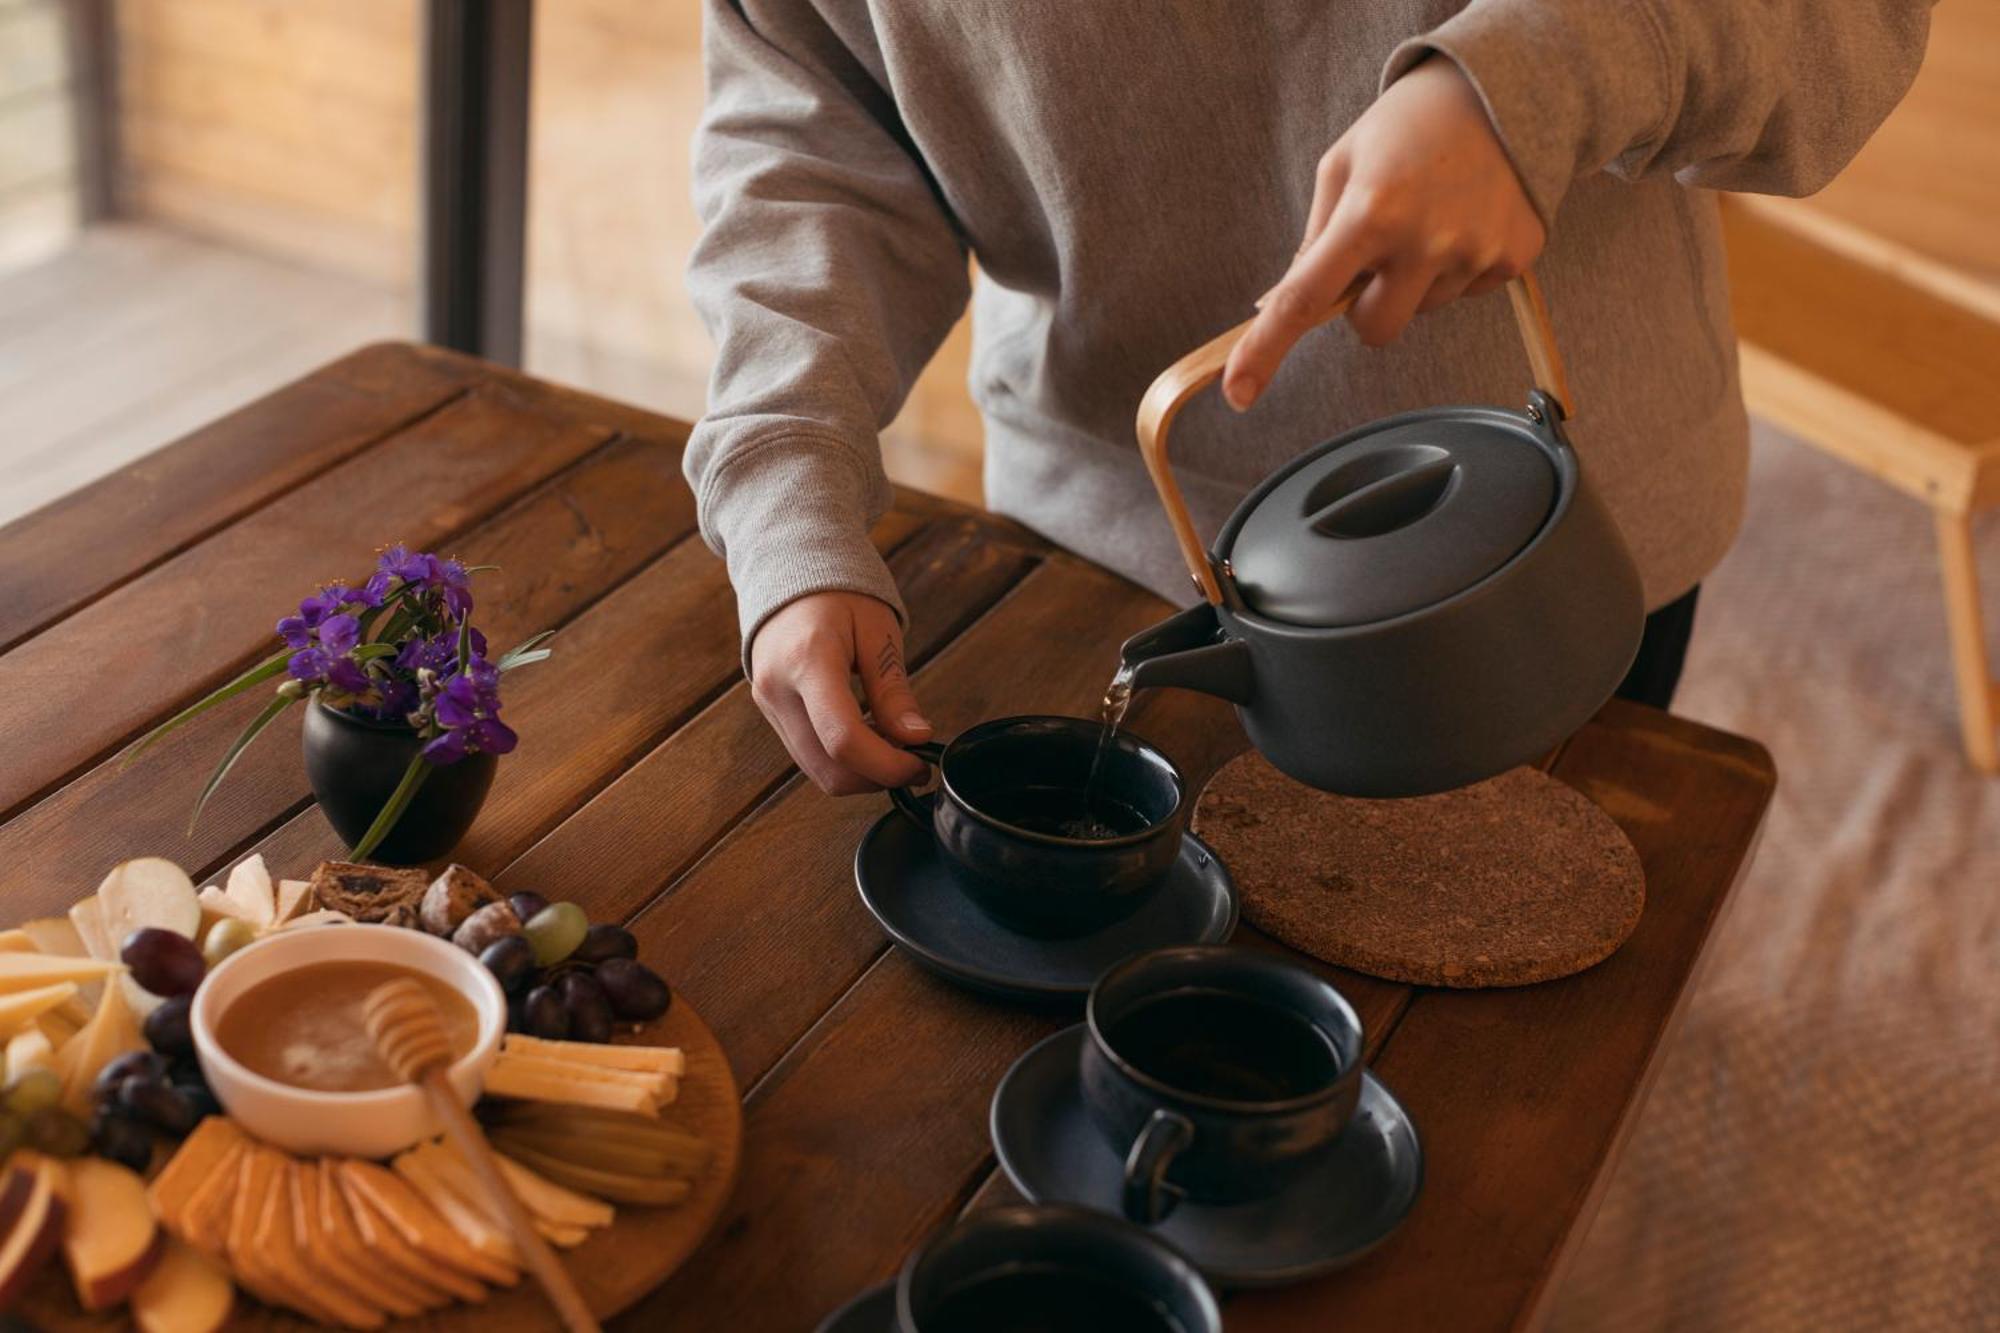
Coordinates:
<point>186,1292</point>
<point>86,917</point>
<point>111,1241</point>
<point>149,891</point>
<point>31,1221</point>
<point>250,884</point>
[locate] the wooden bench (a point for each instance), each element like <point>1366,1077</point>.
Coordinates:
<point>1890,362</point>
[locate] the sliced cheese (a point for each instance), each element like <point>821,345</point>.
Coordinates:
<point>464,1216</point>
<point>294,898</point>
<point>347,1214</point>
<point>648,1079</point>
<point>55,934</point>
<point>29,971</point>
<point>216,903</point>
<point>19,1009</point>
<point>202,1156</point>
<point>419,1224</point>
<point>532,1085</point>
<point>335,1265</point>
<point>653,1059</point>
<point>210,1205</point>
<point>246,1206</point>
<point>111,1031</point>
<point>277,1238</point>
<point>28,1049</point>
<point>17,941</point>
<point>549,1201</point>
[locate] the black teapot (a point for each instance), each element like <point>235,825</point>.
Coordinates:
<point>1414,605</point>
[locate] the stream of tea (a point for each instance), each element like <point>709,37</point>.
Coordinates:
<point>1110,716</point>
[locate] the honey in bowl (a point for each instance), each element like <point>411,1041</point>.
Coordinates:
<point>306,1027</point>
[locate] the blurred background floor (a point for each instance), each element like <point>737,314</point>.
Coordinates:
<point>1822,1147</point>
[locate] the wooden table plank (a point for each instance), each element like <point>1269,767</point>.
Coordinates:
<point>78,547</point>
<point>1518,1133</point>
<point>560,549</point>
<point>101,676</point>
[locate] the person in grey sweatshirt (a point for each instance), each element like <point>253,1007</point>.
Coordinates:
<point>1132,176</point>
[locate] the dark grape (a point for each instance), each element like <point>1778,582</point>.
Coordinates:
<point>589,1010</point>
<point>167,1028</point>
<point>163,962</point>
<point>123,1139</point>
<point>55,1131</point>
<point>125,1066</point>
<point>201,1099</point>
<point>636,992</point>
<point>158,1103</point>
<point>512,962</point>
<point>604,941</point>
<point>526,905</point>
<point>545,1015</point>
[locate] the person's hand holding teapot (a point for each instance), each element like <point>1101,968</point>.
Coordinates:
<point>1418,192</point>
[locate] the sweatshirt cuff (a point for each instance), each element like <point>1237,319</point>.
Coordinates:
<point>791,517</point>
<point>1566,97</point>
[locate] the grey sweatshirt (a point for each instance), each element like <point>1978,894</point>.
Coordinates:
<point>1132,174</point>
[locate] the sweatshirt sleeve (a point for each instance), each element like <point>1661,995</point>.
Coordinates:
<point>828,271</point>
<point>1771,97</point>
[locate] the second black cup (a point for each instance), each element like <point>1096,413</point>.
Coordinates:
<point>1218,1072</point>
<point>1038,844</point>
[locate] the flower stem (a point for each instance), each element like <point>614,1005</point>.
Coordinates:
<point>392,809</point>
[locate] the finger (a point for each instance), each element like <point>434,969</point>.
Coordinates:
<point>1382,312</point>
<point>1308,296</point>
<point>887,686</point>
<point>1328,181</point>
<point>786,713</point>
<point>846,737</point>
<point>1450,284</point>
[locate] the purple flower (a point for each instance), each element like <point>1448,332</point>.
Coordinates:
<point>338,634</point>
<point>398,698</point>
<point>458,703</point>
<point>344,675</point>
<point>309,665</point>
<point>446,749</point>
<point>407,565</point>
<point>451,577</point>
<point>293,630</point>
<point>377,587</point>
<point>317,608</point>
<point>493,736</point>
<point>483,673</point>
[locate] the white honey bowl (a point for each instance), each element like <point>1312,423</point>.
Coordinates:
<point>356,1124</point>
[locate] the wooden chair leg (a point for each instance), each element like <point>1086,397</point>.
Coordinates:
<point>1968,640</point>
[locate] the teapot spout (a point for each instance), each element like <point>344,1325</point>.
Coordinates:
<point>1191,651</point>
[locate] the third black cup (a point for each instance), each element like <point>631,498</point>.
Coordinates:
<point>1218,1072</point>
<point>1041,842</point>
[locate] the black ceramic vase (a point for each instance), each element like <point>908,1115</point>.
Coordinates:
<point>354,765</point>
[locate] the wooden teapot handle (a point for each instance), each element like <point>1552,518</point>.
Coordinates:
<point>1200,368</point>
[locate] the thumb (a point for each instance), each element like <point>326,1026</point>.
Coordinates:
<point>887,686</point>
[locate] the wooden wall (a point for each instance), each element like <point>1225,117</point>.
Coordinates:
<point>39,195</point>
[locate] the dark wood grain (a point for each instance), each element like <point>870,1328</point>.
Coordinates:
<point>99,677</point>
<point>560,548</point>
<point>76,548</point>
<point>648,789</point>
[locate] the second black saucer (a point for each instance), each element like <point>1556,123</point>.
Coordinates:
<point>910,888</point>
<point>1337,1210</point>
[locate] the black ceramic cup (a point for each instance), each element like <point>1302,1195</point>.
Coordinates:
<point>1009,813</point>
<point>1052,1269</point>
<point>1218,1071</point>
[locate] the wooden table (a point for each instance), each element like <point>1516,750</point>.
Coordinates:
<point>648,789</point>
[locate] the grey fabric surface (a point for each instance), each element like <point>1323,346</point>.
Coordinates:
<point>1132,175</point>
<point>1822,1148</point>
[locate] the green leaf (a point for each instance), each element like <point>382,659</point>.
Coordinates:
<point>464,643</point>
<point>392,809</point>
<point>368,652</point>
<point>523,652</point>
<point>389,603</point>
<point>480,569</point>
<point>256,675</point>
<point>248,734</point>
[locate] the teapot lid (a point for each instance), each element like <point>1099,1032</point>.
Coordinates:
<point>1392,518</point>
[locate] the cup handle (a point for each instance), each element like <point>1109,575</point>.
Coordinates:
<point>918,808</point>
<point>1149,1198</point>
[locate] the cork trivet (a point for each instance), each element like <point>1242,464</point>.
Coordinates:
<point>1516,879</point>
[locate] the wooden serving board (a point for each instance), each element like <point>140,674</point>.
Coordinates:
<point>613,1269</point>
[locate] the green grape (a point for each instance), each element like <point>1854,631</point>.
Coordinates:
<point>56,1132</point>
<point>225,937</point>
<point>555,931</point>
<point>35,1089</point>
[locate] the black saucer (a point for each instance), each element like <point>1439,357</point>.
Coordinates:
<point>1338,1210</point>
<point>873,1311</point>
<point>906,882</point>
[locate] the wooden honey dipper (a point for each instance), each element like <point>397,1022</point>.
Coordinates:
<point>409,1033</point>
